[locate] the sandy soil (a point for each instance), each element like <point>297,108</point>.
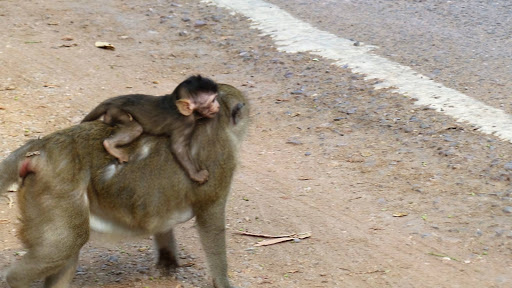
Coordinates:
<point>394,195</point>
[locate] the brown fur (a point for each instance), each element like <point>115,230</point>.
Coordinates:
<point>174,115</point>
<point>72,176</point>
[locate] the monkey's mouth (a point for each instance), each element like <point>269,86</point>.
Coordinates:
<point>211,115</point>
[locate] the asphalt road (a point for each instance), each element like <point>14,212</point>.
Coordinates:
<point>465,45</point>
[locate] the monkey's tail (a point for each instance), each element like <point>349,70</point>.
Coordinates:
<point>10,167</point>
<point>96,113</point>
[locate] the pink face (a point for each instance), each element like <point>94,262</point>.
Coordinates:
<point>207,104</point>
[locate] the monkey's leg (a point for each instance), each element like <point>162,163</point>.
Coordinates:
<point>167,251</point>
<point>129,129</point>
<point>25,271</point>
<point>55,226</point>
<point>40,264</point>
<point>183,157</point>
<point>64,276</point>
<point>212,233</point>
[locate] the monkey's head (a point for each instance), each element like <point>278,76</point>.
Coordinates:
<point>198,95</point>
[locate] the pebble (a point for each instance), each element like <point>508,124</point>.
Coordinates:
<point>142,270</point>
<point>446,152</point>
<point>507,209</point>
<point>113,259</point>
<point>199,23</point>
<point>294,141</point>
<point>508,166</point>
<point>81,270</point>
<point>417,188</point>
<point>164,19</point>
<point>414,119</point>
<point>275,60</point>
<point>448,138</point>
<point>424,126</point>
<point>350,111</point>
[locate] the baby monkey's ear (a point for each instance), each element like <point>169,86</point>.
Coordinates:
<point>185,106</point>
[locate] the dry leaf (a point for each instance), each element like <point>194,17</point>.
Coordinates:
<point>272,241</point>
<point>366,153</point>
<point>4,221</point>
<point>355,159</point>
<point>8,88</point>
<point>50,85</point>
<point>401,214</point>
<point>105,45</point>
<point>68,45</point>
<point>264,235</point>
<point>33,153</point>
<point>277,239</point>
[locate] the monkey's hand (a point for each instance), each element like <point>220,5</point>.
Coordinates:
<point>200,177</point>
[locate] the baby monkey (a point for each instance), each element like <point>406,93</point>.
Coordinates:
<point>174,115</point>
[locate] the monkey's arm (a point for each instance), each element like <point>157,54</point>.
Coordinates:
<point>180,147</point>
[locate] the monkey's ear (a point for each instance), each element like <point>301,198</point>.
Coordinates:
<point>235,112</point>
<point>185,106</point>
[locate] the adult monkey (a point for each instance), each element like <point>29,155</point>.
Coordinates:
<point>69,185</point>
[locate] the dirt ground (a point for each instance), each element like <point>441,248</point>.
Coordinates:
<point>394,195</point>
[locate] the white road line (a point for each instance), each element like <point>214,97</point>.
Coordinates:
<point>293,35</point>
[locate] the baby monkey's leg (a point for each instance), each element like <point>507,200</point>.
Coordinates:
<point>128,130</point>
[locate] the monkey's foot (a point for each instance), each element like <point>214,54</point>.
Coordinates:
<point>167,261</point>
<point>122,160</point>
<point>120,155</point>
<point>200,177</point>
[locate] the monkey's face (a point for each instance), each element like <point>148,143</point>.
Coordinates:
<point>208,106</point>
